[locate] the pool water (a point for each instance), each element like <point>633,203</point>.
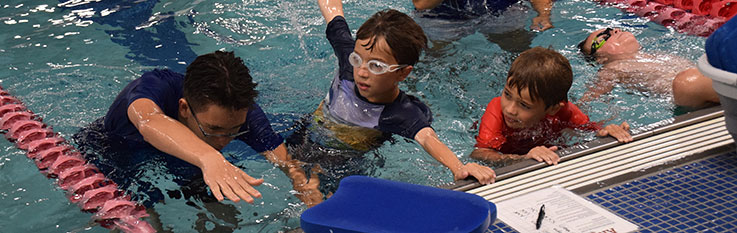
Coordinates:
<point>67,61</point>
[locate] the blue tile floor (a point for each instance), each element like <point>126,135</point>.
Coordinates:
<point>700,196</point>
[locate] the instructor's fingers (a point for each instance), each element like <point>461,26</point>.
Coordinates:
<point>215,188</point>
<point>228,192</point>
<point>247,183</point>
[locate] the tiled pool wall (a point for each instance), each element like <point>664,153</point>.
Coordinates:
<point>698,196</point>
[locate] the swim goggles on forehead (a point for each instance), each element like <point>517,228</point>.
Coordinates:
<point>599,40</point>
<point>374,66</point>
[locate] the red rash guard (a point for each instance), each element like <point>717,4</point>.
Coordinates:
<point>494,133</point>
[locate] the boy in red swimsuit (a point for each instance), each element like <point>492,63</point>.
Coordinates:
<point>532,110</point>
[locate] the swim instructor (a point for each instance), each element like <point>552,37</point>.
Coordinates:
<point>193,116</point>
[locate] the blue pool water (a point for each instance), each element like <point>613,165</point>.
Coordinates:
<point>67,61</point>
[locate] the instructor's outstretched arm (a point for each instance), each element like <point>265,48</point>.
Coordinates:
<point>174,138</point>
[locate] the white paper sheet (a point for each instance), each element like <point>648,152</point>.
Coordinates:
<point>564,212</point>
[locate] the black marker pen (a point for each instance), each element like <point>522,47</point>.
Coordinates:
<point>540,217</point>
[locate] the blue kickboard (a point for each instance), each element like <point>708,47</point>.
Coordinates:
<point>365,204</point>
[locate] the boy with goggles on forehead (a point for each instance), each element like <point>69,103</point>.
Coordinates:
<point>364,97</point>
<point>624,63</point>
<point>192,117</point>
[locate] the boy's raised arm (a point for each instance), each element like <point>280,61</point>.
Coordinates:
<point>432,144</point>
<point>330,9</point>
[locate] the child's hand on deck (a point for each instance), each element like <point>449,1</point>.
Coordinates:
<point>620,132</point>
<point>543,153</point>
<point>484,174</point>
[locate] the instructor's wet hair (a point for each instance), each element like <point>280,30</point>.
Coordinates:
<point>590,58</point>
<point>219,78</point>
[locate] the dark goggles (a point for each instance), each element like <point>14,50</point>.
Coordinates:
<point>202,130</point>
<point>600,39</point>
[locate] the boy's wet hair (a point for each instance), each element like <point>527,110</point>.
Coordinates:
<point>544,72</point>
<point>219,78</point>
<point>586,56</point>
<point>405,38</point>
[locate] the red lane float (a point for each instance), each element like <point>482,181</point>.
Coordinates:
<point>55,158</point>
<point>694,17</point>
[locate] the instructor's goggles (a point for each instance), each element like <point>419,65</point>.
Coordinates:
<point>202,130</point>
<point>374,66</point>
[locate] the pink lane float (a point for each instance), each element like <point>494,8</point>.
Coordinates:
<point>693,17</point>
<point>56,158</point>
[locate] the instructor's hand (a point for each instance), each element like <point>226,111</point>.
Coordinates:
<point>224,178</point>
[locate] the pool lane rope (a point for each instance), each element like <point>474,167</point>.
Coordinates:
<point>85,185</point>
<point>693,17</point>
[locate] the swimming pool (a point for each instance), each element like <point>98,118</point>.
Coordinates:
<point>68,61</point>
